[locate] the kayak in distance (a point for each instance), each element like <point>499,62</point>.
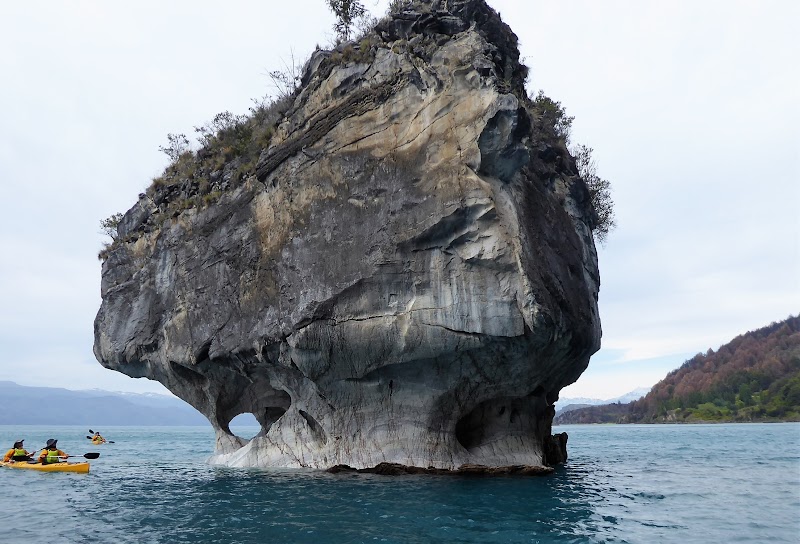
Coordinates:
<point>82,467</point>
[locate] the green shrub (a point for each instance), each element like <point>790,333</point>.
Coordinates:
<point>552,116</point>
<point>599,193</point>
<point>109,225</point>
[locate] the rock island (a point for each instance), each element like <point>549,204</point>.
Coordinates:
<point>393,264</point>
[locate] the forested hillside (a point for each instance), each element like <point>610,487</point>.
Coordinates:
<point>754,377</point>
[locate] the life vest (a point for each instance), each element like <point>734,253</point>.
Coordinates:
<point>52,457</point>
<point>20,455</point>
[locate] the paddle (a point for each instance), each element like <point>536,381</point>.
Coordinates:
<point>32,461</point>
<point>90,455</point>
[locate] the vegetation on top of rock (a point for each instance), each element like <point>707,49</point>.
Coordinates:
<point>599,193</point>
<point>177,145</point>
<point>108,226</point>
<point>754,377</point>
<point>286,81</point>
<point>231,146</point>
<point>553,114</point>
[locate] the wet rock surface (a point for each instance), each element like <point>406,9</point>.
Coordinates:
<point>395,469</point>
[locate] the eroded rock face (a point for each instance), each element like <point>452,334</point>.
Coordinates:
<point>407,277</point>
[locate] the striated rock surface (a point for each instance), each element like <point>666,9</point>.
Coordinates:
<point>407,275</point>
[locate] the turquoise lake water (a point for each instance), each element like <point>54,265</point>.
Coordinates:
<point>623,483</point>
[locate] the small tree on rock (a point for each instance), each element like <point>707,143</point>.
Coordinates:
<point>287,80</point>
<point>599,192</point>
<point>109,225</point>
<point>177,145</point>
<point>346,12</point>
<point>553,114</point>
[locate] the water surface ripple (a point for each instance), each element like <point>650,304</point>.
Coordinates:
<point>626,484</point>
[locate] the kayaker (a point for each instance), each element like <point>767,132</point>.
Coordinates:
<point>97,439</point>
<point>51,453</point>
<point>17,453</point>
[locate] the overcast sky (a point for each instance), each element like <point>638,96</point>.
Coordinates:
<point>691,108</point>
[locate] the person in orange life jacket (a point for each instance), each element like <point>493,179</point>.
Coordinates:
<point>17,453</point>
<point>97,439</point>
<point>51,454</point>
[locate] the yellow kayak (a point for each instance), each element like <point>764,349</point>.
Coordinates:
<point>53,467</point>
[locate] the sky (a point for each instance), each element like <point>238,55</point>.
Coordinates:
<point>691,108</point>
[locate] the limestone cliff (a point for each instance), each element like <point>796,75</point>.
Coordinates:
<point>407,274</point>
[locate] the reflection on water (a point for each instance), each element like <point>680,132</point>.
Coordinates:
<point>720,483</point>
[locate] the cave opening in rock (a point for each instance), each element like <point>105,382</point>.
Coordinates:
<point>259,420</point>
<point>246,419</point>
<point>245,425</point>
<point>496,420</point>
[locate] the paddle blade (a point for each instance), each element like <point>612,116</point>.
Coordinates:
<point>89,437</point>
<point>91,455</point>
<point>91,431</point>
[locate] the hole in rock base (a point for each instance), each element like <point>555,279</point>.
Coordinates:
<point>245,425</point>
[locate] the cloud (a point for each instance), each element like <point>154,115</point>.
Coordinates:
<point>70,367</point>
<point>609,381</point>
<point>691,109</point>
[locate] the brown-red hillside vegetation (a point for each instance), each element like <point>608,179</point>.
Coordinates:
<point>754,377</point>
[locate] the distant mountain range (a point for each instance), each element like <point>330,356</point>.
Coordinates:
<point>24,405</point>
<point>21,405</point>
<point>569,404</point>
<point>754,377</point>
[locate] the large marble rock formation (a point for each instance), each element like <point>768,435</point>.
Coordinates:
<point>407,276</point>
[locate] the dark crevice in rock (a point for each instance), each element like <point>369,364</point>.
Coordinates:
<point>316,429</point>
<point>193,378</point>
<point>448,229</point>
<point>270,415</point>
<point>503,144</point>
<point>459,332</point>
<point>555,449</point>
<point>497,419</point>
<point>202,353</point>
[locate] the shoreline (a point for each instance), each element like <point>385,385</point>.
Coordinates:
<point>397,469</point>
